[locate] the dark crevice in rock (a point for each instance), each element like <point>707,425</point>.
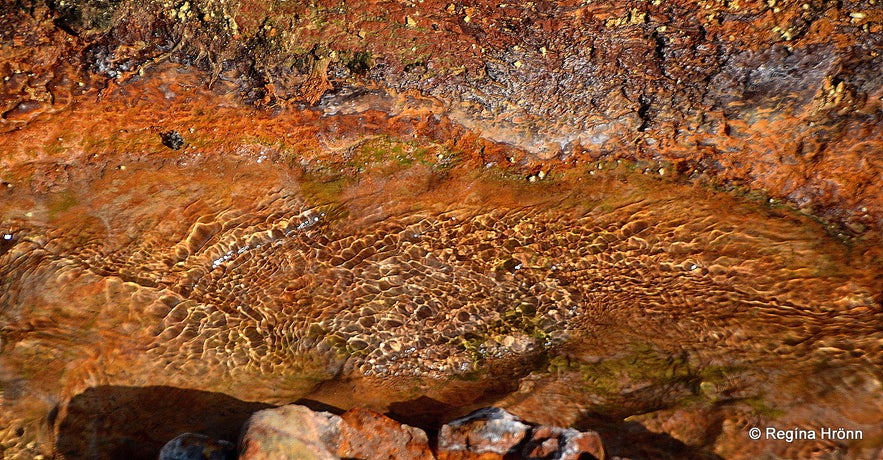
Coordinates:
<point>633,440</point>
<point>115,422</point>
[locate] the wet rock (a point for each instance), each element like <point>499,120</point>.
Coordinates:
<point>703,91</point>
<point>172,140</point>
<point>494,433</point>
<point>485,433</point>
<point>298,432</point>
<point>368,434</point>
<point>290,432</point>
<point>563,444</point>
<point>191,446</point>
<point>490,433</point>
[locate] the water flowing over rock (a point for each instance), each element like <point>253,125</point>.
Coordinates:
<point>658,221</point>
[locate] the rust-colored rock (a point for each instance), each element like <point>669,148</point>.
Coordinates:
<point>495,434</point>
<point>783,97</point>
<point>290,432</point>
<point>370,435</point>
<point>486,434</point>
<point>297,432</point>
<point>564,444</point>
<point>719,270</point>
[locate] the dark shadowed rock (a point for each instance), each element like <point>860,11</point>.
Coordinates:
<point>191,446</point>
<point>172,140</point>
<point>134,423</point>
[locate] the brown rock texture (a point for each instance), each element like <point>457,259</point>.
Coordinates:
<point>290,432</point>
<point>297,432</point>
<point>368,434</point>
<point>781,97</point>
<point>494,434</point>
<point>658,220</point>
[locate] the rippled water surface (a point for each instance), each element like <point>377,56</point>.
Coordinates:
<point>615,297</point>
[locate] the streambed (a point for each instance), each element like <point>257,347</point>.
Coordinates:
<point>424,288</point>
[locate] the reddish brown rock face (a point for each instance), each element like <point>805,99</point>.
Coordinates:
<point>661,220</point>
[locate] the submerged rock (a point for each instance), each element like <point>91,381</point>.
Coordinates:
<point>634,295</point>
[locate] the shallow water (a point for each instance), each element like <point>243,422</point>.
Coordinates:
<point>590,299</point>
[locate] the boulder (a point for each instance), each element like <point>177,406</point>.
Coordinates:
<point>296,432</point>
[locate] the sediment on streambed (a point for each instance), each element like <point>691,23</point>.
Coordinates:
<point>413,279</point>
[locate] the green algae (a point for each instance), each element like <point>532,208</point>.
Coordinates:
<point>642,366</point>
<point>762,408</point>
<point>59,203</point>
<point>324,186</point>
<point>325,182</point>
<point>385,155</point>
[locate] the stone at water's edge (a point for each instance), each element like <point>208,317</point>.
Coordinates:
<point>296,432</point>
<point>368,434</point>
<point>191,446</point>
<point>291,432</point>
<point>493,433</point>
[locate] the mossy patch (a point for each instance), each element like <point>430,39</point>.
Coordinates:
<point>325,181</point>
<point>761,408</point>
<point>642,366</point>
<point>324,187</point>
<point>385,155</point>
<point>60,203</point>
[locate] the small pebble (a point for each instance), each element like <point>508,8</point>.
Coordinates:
<point>172,140</point>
